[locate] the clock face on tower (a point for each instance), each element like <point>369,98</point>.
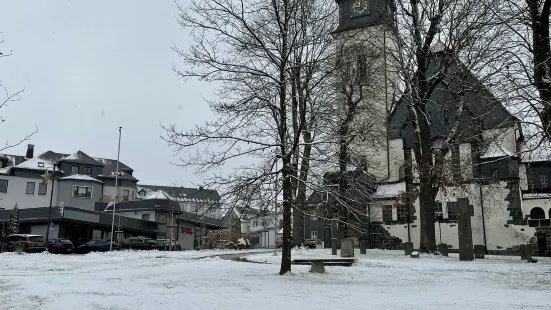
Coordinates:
<point>360,8</point>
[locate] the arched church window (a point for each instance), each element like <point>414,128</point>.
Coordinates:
<point>537,214</point>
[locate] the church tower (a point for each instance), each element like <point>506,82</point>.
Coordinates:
<point>367,49</point>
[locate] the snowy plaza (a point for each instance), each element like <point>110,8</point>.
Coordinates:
<point>203,280</point>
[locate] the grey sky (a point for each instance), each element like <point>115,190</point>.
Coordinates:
<point>89,67</point>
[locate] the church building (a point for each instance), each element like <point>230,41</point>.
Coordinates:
<point>509,190</point>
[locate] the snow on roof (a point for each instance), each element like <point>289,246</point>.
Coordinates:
<point>159,195</point>
<point>37,163</point>
<point>81,177</point>
<point>389,190</point>
<point>495,150</point>
<point>74,156</point>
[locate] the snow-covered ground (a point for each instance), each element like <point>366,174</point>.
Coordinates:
<point>175,280</point>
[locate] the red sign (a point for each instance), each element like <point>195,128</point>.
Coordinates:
<point>186,230</point>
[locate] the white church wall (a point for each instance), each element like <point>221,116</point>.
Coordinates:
<point>500,235</point>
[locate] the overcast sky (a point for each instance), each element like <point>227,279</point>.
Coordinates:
<point>89,67</point>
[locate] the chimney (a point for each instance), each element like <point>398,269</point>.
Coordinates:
<point>30,151</point>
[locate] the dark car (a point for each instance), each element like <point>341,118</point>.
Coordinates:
<point>95,246</point>
<point>306,243</point>
<point>26,243</point>
<point>138,243</point>
<point>60,246</point>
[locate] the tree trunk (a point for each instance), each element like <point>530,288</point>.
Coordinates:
<point>542,61</point>
<point>287,238</point>
<point>298,213</point>
<point>426,216</point>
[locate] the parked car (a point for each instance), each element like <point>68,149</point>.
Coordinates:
<point>26,243</point>
<point>95,246</point>
<point>60,246</point>
<point>306,243</point>
<point>138,243</point>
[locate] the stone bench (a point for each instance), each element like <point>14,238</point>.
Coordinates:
<point>318,264</point>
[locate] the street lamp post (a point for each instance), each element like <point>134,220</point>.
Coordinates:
<point>116,191</point>
<point>51,199</point>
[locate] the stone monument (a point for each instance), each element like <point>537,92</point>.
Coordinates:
<point>408,248</point>
<point>363,246</point>
<point>465,211</point>
<point>479,251</point>
<point>347,247</point>
<point>443,249</point>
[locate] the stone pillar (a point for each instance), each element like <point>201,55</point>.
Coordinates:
<point>466,251</point>
<point>529,253</point>
<point>522,250</point>
<point>363,247</point>
<point>408,248</point>
<point>334,233</point>
<point>479,251</point>
<point>443,249</point>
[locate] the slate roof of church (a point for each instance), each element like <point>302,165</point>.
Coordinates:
<point>482,110</point>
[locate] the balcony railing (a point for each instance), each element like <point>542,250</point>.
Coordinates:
<point>120,198</point>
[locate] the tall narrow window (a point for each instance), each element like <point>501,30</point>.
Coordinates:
<point>387,213</point>
<point>438,212</point>
<point>446,116</point>
<point>402,211</point>
<point>3,186</point>
<point>30,188</point>
<point>451,208</point>
<point>543,181</point>
<point>42,188</point>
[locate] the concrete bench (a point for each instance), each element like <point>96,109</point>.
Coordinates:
<point>318,264</point>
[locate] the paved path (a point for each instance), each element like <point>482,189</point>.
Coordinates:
<point>237,255</point>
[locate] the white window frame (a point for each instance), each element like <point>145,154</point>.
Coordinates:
<point>83,197</point>
<point>7,185</point>
<point>45,192</point>
<point>544,182</point>
<point>312,233</point>
<point>27,188</point>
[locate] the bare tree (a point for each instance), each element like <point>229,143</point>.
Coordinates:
<point>267,61</point>
<point>442,45</point>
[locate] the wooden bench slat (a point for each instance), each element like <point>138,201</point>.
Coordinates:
<point>326,261</point>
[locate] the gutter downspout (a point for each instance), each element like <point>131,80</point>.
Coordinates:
<point>483,220</point>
